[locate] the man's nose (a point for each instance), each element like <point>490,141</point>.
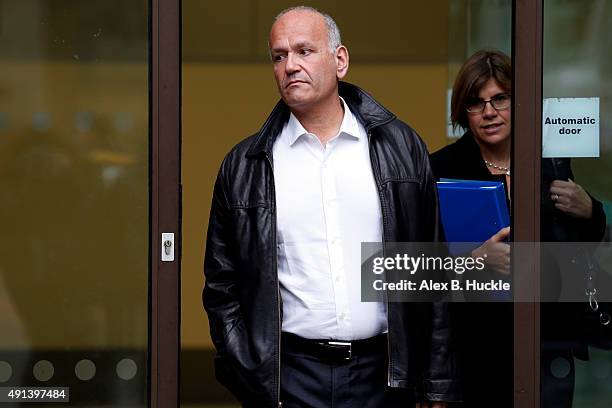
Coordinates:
<point>291,64</point>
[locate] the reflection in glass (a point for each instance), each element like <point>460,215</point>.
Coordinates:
<point>577,41</point>
<point>475,25</point>
<point>74,197</point>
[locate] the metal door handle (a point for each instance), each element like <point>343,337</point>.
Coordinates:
<point>167,250</point>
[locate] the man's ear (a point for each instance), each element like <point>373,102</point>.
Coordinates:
<point>342,61</point>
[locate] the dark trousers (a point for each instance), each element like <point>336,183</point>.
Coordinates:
<point>360,382</point>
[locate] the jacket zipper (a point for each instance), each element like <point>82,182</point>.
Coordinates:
<point>278,295</point>
<point>382,210</point>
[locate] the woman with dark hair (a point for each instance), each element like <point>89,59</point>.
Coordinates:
<point>481,104</point>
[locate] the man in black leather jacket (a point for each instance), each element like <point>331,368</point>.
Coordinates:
<point>243,293</point>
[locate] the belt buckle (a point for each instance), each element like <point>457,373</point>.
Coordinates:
<point>342,345</point>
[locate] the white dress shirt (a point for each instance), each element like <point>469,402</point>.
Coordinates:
<point>327,204</point>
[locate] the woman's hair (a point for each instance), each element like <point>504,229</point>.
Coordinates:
<point>473,75</point>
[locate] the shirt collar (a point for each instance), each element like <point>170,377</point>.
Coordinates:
<point>349,126</point>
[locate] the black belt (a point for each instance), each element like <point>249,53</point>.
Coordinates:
<point>334,350</point>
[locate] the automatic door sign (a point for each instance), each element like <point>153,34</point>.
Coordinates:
<point>570,127</point>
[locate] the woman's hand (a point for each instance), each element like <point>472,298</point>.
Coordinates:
<point>495,252</point>
<point>571,198</point>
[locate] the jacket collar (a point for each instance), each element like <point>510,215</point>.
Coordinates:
<point>367,110</point>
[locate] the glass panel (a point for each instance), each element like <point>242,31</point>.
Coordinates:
<point>74,198</point>
<point>577,144</point>
<point>404,53</point>
<point>475,25</point>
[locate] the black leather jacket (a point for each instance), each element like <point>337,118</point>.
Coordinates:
<point>241,294</point>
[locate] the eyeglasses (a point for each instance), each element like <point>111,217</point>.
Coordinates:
<point>498,102</point>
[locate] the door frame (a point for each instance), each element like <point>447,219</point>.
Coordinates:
<point>165,196</point>
<point>527,29</point>
<point>165,200</point>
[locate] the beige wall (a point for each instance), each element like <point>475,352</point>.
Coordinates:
<point>224,103</point>
<point>74,267</point>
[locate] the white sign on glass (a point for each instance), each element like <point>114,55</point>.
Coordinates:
<point>570,127</point>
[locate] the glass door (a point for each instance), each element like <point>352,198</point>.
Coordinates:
<point>576,337</point>
<point>81,204</point>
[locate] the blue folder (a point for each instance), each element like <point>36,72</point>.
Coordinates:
<point>472,210</point>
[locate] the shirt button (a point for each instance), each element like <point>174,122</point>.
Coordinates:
<point>337,278</point>
<point>342,316</point>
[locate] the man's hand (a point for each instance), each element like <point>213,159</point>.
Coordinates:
<point>495,252</point>
<point>571,198</point>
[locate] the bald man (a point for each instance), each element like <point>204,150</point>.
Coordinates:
<point>330,168</point>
